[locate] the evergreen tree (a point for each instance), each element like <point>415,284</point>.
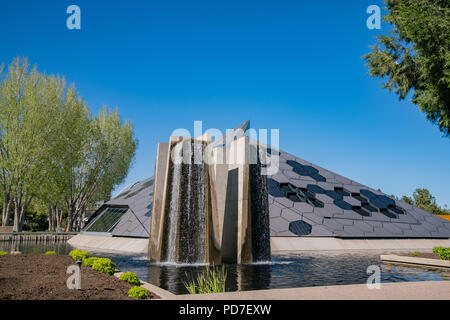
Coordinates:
<point>415,56</point>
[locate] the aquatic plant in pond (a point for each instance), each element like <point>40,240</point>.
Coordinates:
<point>212,280</point>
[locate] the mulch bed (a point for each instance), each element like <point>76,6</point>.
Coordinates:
<point>428,255</point>
<point>43,277</point>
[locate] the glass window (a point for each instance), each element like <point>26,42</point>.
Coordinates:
<point>106,220</point>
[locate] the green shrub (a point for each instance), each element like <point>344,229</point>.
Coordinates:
<point>130,277</point>
<point>444,254</point>
<point>50,252</point>
<point>3,253</point>
<point>78,254</point>
<point>138,293</point>
<point>415,254</point>
<point>88,262</point>
<point>437,249</point>
<point>104,265</point>
<point>212,280</point>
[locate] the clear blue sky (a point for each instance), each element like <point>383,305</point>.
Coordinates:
<point>291,65</point>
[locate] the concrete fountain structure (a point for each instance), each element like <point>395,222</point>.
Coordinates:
<point>210,201</point>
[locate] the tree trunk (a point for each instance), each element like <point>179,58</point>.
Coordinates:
<point>70,217</point>
<point>6,211</point>
<point>16,218</point>
<point>59,216</point>
<point>23,211</point>
<point>49,219</point>
<point>81,219</point>
<point>20,209</point>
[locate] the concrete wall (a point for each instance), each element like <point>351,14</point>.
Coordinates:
<point>285,244</point>
<point>113,244</point>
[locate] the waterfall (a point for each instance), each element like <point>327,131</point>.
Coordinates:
<point>186,207</point>
<point>173,212</point>
<point>259,210</point>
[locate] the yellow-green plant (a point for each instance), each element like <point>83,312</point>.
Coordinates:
<point>88,262</point>
<point>415,254</point>
<point>437,249</point>
<point>77,254</point>
<point>444,254</point>
<point>138,293</point>
<point>104,265</point>
<point>212,280</point>
<point>130,277</point>
<point>50,252</point>
<point>3,253</point>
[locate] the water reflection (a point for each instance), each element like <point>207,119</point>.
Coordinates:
<point>303,269</point>
<point>32,247</point>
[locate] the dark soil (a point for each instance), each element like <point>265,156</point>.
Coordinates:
<point>43,277</point>
<point>428,255</point>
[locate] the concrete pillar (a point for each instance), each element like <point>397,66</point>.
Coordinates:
<point>157,217</point>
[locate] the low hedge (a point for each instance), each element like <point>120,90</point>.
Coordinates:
<point>130,277</point>
<point>78,254</point>
<point>104,265</point>
<point>138,293</point>
<point>444,253</point>
<point>88,262</point>
<point>3,253</point>
<point>50,252</point>
<point>437,249</point>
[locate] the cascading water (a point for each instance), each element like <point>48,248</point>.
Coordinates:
<point>186,207</point>
<point>259,210</point>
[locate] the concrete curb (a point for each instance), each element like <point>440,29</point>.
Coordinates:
<point>161,293</point>
<point>416,261</point>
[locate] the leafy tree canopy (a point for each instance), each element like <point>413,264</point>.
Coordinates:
<point>423,199</point>
<point>415,56</point>
<point>56,158</point>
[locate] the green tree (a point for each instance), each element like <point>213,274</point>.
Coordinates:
<point>104,161</point>
<point>24,133</point>
<point>54,154</point>
<point>423,199</point>
<point>415,56</point>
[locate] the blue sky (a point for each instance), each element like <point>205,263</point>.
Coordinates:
<point>291,65</point>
